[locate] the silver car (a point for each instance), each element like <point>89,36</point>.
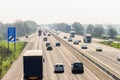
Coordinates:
<point>118,57</point>
<point>69,39</point>
<point>84,46</point>
<point>98,48</point>
<point>59,68</point>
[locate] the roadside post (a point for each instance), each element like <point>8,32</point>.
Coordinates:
<point>11,31</point>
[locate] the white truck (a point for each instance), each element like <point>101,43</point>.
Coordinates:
<point>72,33</point>
<point>87,38</point>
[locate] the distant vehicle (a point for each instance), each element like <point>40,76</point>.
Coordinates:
<point>87,38</point>
<point>57,44</point>
<point>45,38</point>
<point>76,42</point>
<point>39,32</point>
<point>48,34</point>
<point>79,40</point>
<point>72,33</point>
<point>118,57</point>
<point>44,33</point>
<point>49,47</point>
<point>84,46</point>
<point>47,43</point>
<point>70,39</point>
<point>77,67</point>
<point>98,48</point>
<point>59,68</point>
<point>65,37</point>
<point>58,32</point>
<point>33,65</point>
<point>110,40</point>
<point>17,39</point>
<point>26,36</point>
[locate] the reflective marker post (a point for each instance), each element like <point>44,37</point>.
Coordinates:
<point>12,36</point>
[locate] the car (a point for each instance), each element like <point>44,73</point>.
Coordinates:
<point>57,44</point>
<point>69,39</point>
<point>59,68</point>
<point>47,43</point>
<point>65,37</point>
<point>26,36</point>
<point>49,47</point>
<point>98,48</point>
<point>77,67</point>
<point>17,39</point>
<point>84,46</point>
<point>44,33</point>
<point>76,42</point>
<point>48,34</point>
<point>79,40</point>
<point>110,40</point>
<point>118,57</point>
<point>45,38</point>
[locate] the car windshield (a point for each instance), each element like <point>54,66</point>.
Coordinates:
<point>77,64</point>
<point>59,66</point>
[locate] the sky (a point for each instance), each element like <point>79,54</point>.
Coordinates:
<point>57,11</point>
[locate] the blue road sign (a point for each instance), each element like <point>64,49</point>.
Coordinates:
<point>11,34</point>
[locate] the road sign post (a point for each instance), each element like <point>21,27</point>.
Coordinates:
<point>12,36</point>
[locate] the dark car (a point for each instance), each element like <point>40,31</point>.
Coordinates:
<point>77,67</point>
<point>48,34</point>
<point>26,36</point>
<point>57,44</point>
<point>65,37</point>
<point>45,38</point>
<point>47,43</point>
<point>59,68</point>
<point>49,47</point>
<point>76,42</point>
<point>17,39</point>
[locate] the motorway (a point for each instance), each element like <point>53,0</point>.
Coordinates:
<point>67,55</point>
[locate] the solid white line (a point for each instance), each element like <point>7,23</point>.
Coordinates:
<point>21,78</point>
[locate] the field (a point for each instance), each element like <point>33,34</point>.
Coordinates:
<point>7,57</point>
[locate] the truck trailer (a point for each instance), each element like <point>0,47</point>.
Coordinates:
<point>33,65</point>
<point>72,33</point>
<point>87,38</point>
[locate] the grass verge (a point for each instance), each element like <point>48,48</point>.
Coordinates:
<point>112,44</point>
<point>7,57</point>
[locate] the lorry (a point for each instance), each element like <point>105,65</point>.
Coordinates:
<point>87,38</point>
<point>72,33</point>
<point>33,65</point>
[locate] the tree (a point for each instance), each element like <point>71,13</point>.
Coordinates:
<point>90,29</point>
<point>79,29</point>
<point>23,28</point>
<point>98,31</point>
<point>62,27</point>
<point>112,32</point>
<point>1,37</point>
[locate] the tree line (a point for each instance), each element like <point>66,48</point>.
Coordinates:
<point>22,28</point>
<point>97,30</point>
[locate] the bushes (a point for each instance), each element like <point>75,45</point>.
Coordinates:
<point>6,59</point>
<point>112,44</point>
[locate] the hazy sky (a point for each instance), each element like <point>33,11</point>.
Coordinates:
<point>53,11</point>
